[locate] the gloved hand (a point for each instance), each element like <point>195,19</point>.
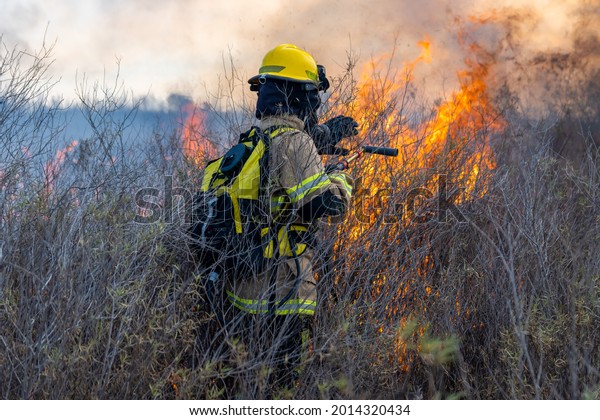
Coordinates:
<point>327,135</point>
<point>341,127</point>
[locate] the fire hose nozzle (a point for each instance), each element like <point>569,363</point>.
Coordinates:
<point>385,151</point>
<point>344,163</point>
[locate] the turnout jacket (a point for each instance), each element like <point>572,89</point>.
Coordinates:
<point>300,189</point>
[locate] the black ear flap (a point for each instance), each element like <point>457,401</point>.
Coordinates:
<point>323,81</point>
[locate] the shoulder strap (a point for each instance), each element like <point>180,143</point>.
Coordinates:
<point>255,133</point>
<point>246,134</point>
<point>267,136</point>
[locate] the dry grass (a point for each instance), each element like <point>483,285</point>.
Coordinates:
<point>503,304</point>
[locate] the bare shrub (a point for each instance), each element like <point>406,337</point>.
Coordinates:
<point>443,282</point>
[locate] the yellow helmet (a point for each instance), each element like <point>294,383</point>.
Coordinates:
<point>287,62</point>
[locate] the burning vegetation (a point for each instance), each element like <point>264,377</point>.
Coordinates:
<point>468,267</point>
<point>196,145</point>
<point>389,249</point>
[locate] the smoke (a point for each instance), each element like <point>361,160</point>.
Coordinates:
<point>160,47</point>
<point>166,47</point>
<point>536,48</point>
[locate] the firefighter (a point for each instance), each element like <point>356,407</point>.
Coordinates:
<point>280,302</point>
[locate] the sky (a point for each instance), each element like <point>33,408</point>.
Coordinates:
<point>185,46</point>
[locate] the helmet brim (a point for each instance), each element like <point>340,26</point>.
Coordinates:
<point>255,81</point>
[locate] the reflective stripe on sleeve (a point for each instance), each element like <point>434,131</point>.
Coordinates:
<point>342,178</point>
<point>310,184</point>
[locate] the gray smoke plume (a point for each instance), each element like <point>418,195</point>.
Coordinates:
<point>542,50</point>
<point>166,47</point>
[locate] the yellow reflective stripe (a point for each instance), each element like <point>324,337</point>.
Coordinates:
<point>278,200</point>
<point>280,130</point>
<point>209,172</point>
<point>286,249</point>
<point>283,240</point>
<point>268,251</point>
<point>278,203</point>
<point>246,184</point>
<point>342,178</point>
<point>310,184</point>
<point>237,217</point>
<point>298,228</point>
<point>292,306</point>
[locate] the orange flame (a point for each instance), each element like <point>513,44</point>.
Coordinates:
<point>195,143</point>
<point>52,168</point>
<point>453,139</point>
